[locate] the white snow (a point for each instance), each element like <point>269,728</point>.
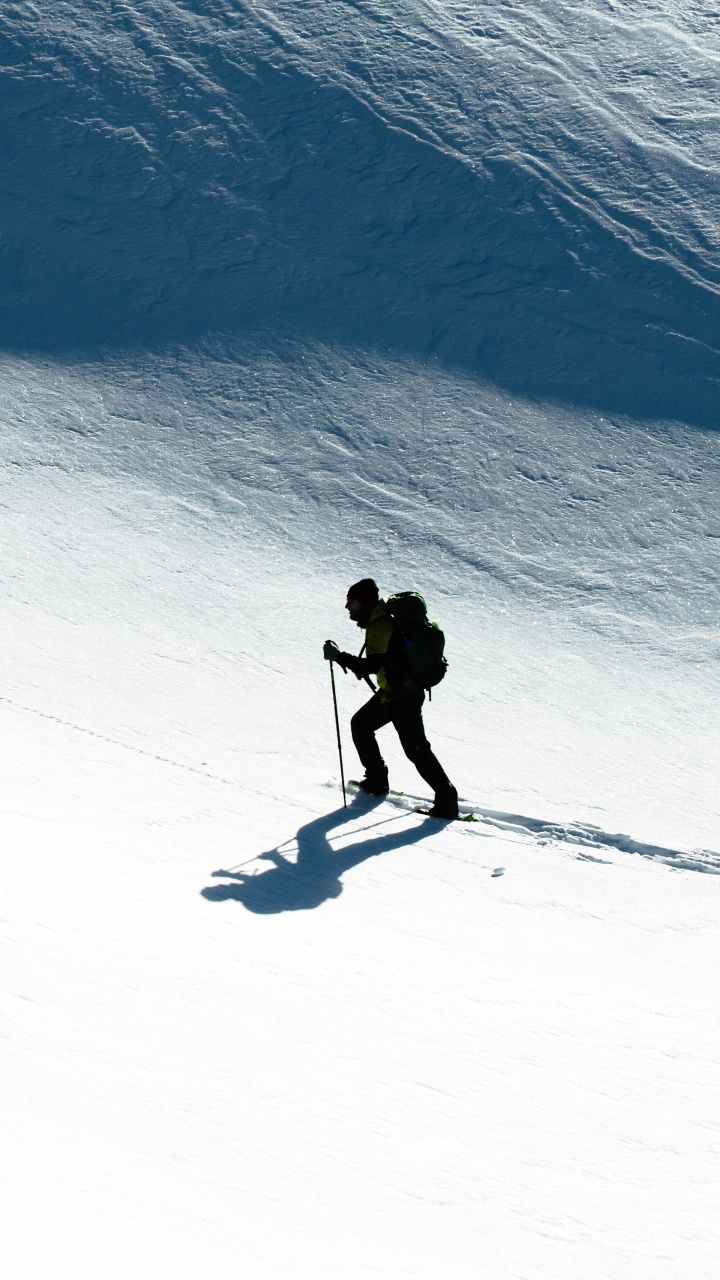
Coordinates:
<point>293,293</point>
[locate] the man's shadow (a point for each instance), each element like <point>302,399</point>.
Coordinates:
<point>315,876</point>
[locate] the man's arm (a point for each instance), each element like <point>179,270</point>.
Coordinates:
<point>348,661</point>
<point>379,635</point>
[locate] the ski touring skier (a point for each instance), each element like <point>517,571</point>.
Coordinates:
<point>398,700</point>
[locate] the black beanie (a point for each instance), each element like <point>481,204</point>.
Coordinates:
<point>365,591</point>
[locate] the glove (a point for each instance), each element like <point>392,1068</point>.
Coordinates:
<point>331,653</point>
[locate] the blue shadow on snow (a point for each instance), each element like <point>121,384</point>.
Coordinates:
<point>314,877</point>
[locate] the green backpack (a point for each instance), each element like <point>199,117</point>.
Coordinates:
<point>422,641</point>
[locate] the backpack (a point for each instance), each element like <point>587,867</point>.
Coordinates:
<point>422,642</point>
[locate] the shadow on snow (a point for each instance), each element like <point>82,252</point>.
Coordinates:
<point>314,877</point>
<point>310,214</point>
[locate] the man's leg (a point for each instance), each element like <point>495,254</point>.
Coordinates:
<point>407,718</point>
<point>364,725</point>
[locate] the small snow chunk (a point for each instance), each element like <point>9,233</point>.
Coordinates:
<point>499,871</point>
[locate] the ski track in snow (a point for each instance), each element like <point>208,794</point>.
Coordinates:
<point>544,832</point>
<point>575,833</point>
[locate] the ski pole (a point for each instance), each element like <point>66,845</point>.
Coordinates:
<point>337,728</point>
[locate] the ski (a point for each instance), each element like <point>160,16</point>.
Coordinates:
<point>462,817</point>
<point>409,802</point>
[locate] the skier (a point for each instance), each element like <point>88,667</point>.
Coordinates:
<point>398,700</point>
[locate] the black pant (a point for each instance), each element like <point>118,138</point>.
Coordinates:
<point>406,715</point>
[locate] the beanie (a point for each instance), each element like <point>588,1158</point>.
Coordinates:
<point>365,591</point>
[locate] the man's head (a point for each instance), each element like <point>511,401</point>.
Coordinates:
<point>361,600</point>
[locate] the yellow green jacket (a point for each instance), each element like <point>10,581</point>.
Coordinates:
<point>378,635</point>
<point>381,641</point>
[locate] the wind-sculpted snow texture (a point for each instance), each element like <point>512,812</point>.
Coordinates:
<point>530,191</point>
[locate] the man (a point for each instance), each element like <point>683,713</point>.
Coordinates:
<point>398,700</point>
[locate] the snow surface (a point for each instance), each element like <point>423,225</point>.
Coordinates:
<point>293,293</point>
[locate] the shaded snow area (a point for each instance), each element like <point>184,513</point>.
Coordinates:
<point>293,293</point>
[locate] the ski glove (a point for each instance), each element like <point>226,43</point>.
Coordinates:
<point>348,661</point>
<point>351,663</point>
<point>331,653</point>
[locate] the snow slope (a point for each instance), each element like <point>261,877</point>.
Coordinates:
<point>529,191</point>
<point>293,293</point>
<point>246,1030</point>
